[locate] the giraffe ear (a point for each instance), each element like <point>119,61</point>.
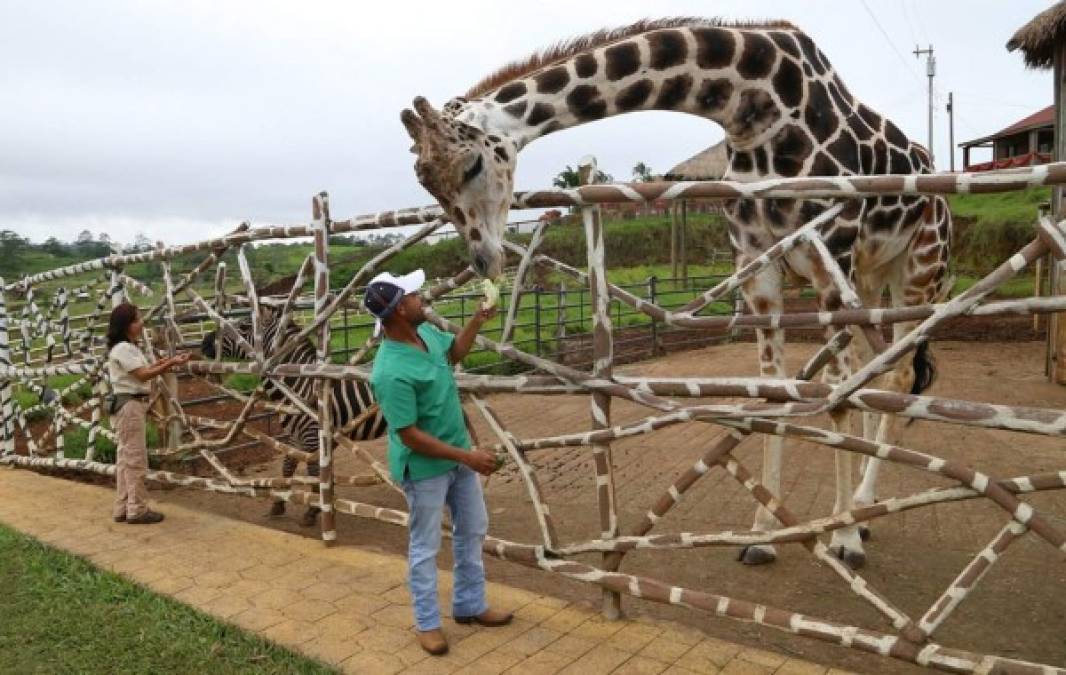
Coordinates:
<point>430,117</point>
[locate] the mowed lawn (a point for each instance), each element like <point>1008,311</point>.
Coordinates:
<point>59,614</point>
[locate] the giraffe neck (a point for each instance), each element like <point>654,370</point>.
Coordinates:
<point>751,81</point>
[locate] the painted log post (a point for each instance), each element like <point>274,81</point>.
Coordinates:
<point>602,360</point>
<point>320,227</point>
<point>7,422</point>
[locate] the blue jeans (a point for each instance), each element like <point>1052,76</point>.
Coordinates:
<point>460,490</point>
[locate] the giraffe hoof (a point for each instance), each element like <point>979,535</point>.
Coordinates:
<point>853,559</point>
<point>757,555</point>
<point>865,533</point>
<point>277,510</point>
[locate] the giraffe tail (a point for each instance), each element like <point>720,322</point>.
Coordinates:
<point>925,370</point>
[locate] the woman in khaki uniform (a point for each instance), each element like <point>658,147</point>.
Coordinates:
<point>130,372</point>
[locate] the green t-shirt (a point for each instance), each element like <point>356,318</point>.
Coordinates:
<point>417,387</point>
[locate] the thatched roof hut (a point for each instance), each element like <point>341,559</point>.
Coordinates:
<point>1037,39</point>
<point>707,164</point>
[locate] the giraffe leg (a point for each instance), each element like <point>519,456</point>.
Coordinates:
<point>846,543</point>
<point>763,295</point>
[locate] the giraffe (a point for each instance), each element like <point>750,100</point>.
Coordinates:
<point>785,113</point>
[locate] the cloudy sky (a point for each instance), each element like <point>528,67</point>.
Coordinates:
<point>180,119</point>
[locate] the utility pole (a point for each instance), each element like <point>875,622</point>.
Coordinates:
<point>930,70</point>
<point>951,129</point>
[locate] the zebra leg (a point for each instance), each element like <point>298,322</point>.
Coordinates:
<point>311,515</point>
<point>288,469</point>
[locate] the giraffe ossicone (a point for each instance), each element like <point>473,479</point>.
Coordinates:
<point>785,113</point>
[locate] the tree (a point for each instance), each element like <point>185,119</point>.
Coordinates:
<point>570,178</point>
<point>642,173</point>
<point>84,237</point>
<point>54,246</point>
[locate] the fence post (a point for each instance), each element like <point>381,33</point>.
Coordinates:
<point>602,361</point>
<point>560,320</point>
<point>654,321</point>
<point>7,424</point>
<point>536,316</point>
<point>320,226</point>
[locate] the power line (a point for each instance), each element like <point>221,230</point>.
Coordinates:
<point>904,61</point>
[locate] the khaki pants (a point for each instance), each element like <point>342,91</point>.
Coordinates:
<point>132,461</point>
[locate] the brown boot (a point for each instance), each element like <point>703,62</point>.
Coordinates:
<point>277,509</point>
<point>146,518</point>
<point>309,517</point>
<point>490,618</point>
<point>433,641</point>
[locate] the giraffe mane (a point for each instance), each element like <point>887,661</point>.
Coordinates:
<point>565,49</point>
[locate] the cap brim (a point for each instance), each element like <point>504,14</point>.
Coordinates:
<point>412,281</point>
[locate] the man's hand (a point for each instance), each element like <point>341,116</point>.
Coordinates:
<point>481,461</point>
<point>484,314</point>
<point>178,360</point>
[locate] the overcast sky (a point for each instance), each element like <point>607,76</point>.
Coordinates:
<point>180,119</point>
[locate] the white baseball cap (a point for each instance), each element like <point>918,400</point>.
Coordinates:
<point>385,291</point>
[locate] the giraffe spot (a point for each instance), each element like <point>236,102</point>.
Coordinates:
<point>541,112</point>
<point>586,103</point>
<point>459,216</point>
<point>810,210</point>
<point>622,60</point>
<point>713,95</point>
<point>883,220</point>
<point>808,72</point>
<point>852,210</point>
<point>872,119</point>
<point>831,301</point>
<point>880,157</point>
<point>551,127</point>
<point>761,306</point>
<point>890,200</point>
<point>894,136</point>
<point>475,234</point>
<point>858,127</point>
<point>788,83</point>
<point>714,47</point>
<point>810,53</point>
<point>866,159</point>
<point>899,163</point>
<point>668,49</point>
<point>823,165</point>
<point>501,154</point>
<point>552,80</point>
<point>841,239</point>
<point>820,116</point>
<point>755,112</point>
<point>845,151</point>
<point>741,162</point>
<point>745,210</point>
<point>494,138</point>
<point>918,160</point>
<point>791,148</point>
<point>761,161</point>
<point>785,42</point>
<point>516,109</point>
<point>585,65</point>
<point>779,211</point>
<point>757,58</point>
<point>634,96</point>
<point>841,103</point>
<point>510,92</point>
<point>673,92</point>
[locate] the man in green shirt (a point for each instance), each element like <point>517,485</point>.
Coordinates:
<point>430,452</point>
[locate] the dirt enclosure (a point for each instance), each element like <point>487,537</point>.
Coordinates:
<point>1018,610</point>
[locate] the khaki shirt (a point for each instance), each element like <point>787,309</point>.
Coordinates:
<point>126,357</point>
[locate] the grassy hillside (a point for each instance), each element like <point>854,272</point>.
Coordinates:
<point>990,228</point>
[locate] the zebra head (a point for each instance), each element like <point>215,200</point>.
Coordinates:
<point>228,347</point>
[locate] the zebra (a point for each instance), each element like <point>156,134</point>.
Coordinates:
<point>348,400</point>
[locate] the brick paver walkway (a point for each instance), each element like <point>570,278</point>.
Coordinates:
<point>349,607</point>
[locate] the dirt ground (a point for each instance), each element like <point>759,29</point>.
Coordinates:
<point>911,558</point>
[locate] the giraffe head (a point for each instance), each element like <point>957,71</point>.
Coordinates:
<point>471,174</point>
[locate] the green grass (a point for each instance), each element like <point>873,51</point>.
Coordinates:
<point>60,614</point>
<point>1000,208</point>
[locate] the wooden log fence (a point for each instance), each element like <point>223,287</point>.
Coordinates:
<point>767,406</point>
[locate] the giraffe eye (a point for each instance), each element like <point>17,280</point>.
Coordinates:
<point>473,171</point>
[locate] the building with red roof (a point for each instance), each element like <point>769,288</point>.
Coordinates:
<point>1029,141</point>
